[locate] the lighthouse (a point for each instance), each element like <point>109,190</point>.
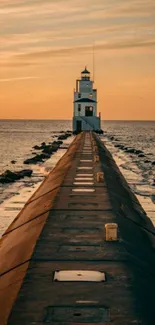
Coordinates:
<point>85,104</point>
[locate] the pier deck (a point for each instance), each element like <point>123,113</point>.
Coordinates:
<point>71,212</point>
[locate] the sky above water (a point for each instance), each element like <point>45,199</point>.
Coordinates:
<point>44,44</point>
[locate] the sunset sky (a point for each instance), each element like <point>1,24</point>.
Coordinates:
<point>44,44</point>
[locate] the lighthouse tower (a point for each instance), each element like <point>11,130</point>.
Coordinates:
<point>85,104</point>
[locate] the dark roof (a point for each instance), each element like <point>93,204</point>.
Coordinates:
<point>85,71</point>
<point>85,100</point>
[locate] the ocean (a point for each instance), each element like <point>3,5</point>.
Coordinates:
<point>18,137</point>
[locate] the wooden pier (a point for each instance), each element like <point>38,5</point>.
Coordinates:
<point>62,228</point>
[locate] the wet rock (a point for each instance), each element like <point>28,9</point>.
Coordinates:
<point>99,131</point>
<point>137,152</point>
<point>59,142</point>
<point>44,156</point>
<point>37,148</point>
<point>63,136</point>
<point>141,155</point>
<point>33,160</point>
<point>9,177</point>
<point>120,146</point>
<point>24,173</point>
<point>49,149</point>
<point>36,159</point>
<point>13,162</point>
<point>30,161</point>
<point>130,150</point>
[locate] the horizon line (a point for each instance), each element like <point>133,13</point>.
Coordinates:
<point>57,119</point>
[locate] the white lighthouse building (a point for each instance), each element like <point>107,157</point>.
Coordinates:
<point>85,105</point>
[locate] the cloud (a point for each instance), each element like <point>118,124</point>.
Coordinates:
<point>19,78</point>
<point>122,44</point>
<point>35,29</point>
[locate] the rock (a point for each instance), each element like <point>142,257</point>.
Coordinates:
<point>9,177</point>
<point>130,150</point>
<point>13,162</point>
<point>30,161</point>
<point>58,142</point>
<point>147,161</point>
<point>36,159</point>
<point>44,156</point>
<point>118,146</point>
<point>47,151</point>
<point>50,149</point>
<point>37,148</point>
<point>64,136</point>
<point>33,160</point>
<point>24,173</point>
<point>153,163</point>
<point>138,152</point>
<point>99,131</point>
<point>141,155</point>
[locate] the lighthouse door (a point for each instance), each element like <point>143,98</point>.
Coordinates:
<point>78,126</point>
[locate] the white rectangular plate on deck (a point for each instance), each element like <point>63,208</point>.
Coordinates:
<point>79,275</point>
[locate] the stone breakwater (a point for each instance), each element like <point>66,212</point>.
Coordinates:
<point>130,150</point>
<point>46,150</point>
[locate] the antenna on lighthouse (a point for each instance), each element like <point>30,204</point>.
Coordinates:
<point>94,61</point>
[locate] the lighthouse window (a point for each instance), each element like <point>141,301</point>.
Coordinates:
<point>79,107</point>
<point>79,95</point>
<point>90,95</point>
<point>89,111</point>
